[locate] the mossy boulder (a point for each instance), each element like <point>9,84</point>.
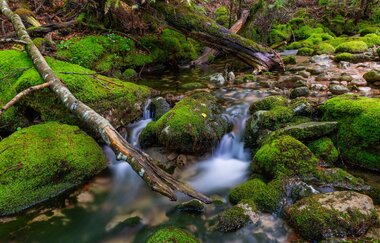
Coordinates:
<point>172,235</point>
<point>268,103</point>
<point>265,196</point>
<point>353,58</point>
<point>284,156</point>
<point>305,51</point>
<point>305,131</point>
<point>289,60</point>
<point>336,214</point>
<point>324,149</point>
<point>120,102</point>
<point>129,73</point>
<point>352,47</point>
<point>372,76</point>
<point>42,161</point>
<point>194,125</point>
<point>358,137</point>
<point>325,48</point>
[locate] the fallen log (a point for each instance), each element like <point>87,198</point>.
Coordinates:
<point>205,30</point>
<point>143,164</point>
<point>209,52</point>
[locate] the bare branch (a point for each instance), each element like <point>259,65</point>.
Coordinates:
<point>23,94</point>
<point>12,40</point>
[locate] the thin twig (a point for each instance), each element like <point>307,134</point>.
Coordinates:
<point>22,94</point>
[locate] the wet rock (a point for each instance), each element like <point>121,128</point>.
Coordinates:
<point>290,81</point>
<point>358,82</point>
<point>336,214</point>
<point>323,77</point>
<point>373,77</point>
<point>315,70</point>
<point>296,68</point>
<point>301,107</point>
<point>338,89</point>
<point>299,92</point>
<point>159,106</point>
<point>319,87</point>
<point>322,60</point>
<point>305,131</point>
<point>191,206</point>
<point>238,216</point>
<point>344,65</point>
<point>194,125</point>
<point>218,79</point>
<point>304,74</point>
<point>43,161</point>
<point>344,83</point>
<point>231,77</point>
<point>346,77</point>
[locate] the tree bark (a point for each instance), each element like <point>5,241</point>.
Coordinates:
<point>208,52</point>
<point>142,163</point>
<point>199,27</point>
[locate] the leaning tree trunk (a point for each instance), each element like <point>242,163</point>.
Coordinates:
<point>144,165</point>
<point>199,27</point>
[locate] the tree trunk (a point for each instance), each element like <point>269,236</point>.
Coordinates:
<point>208,52</point>
<point>199,27</point>
<point>144,165</point>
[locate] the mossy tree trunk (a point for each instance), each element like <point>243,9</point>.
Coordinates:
<point>142,163</point>
<point>199,27</point>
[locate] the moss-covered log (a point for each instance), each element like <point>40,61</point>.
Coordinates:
<point>199,27</point>
<point>144,165</point>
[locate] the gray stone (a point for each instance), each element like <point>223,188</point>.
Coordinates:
<point>299,92</point>
<point>217,79</point>
<point>159,106</point>
<point>338,89</point>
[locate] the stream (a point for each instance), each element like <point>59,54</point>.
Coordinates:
<point>117,206</point>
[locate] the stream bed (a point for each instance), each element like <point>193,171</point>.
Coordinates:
<point>117,206</point>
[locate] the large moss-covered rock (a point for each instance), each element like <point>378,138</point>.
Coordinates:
<point>284,156</point>
<point>372,76</point>
<point>172,235</point>
<point>42,161</point>
<point>194,125</point>
<point>120,102</point>
<point>265,196</point>
<point>352,47</point>
<point>359,129</point>
<point>336,214</point>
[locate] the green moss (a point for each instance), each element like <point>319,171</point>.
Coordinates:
<point>347,57</point>
<point>172,235</point>
<point>222,16</point>
<point>359,130</point>
<point>103,94</point>
<point>276,117</point>
<point>268,103</point>
<point>129,73</point>
<point>279,33</point>
<point>369,30</point>
<point>193,85</point>
<point>193,125</point>
<point>284,156</point>
<point>265,196</point>
<point>42,161</point>
<point>339,179</point>
<point>305,51</point>
<point>352,47</point>
<point>324,149</point>
<point>232,219</point>
<point>325,48</point>
<point>316,221</point>
<point>371,40</point>
<point>372,76</point>
<point>289,60</point>
<point>39,42</point>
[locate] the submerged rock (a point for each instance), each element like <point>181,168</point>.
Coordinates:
<point>172,235</point>
<point>42,161</point>
<point>336,214</point>
<point>358,136</point>
<point>119,102</point>
<point>194,125</point>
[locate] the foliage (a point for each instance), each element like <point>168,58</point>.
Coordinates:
<point>172,235</point>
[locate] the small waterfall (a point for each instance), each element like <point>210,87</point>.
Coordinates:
<point>136,128</point>
<point>229,164</point>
